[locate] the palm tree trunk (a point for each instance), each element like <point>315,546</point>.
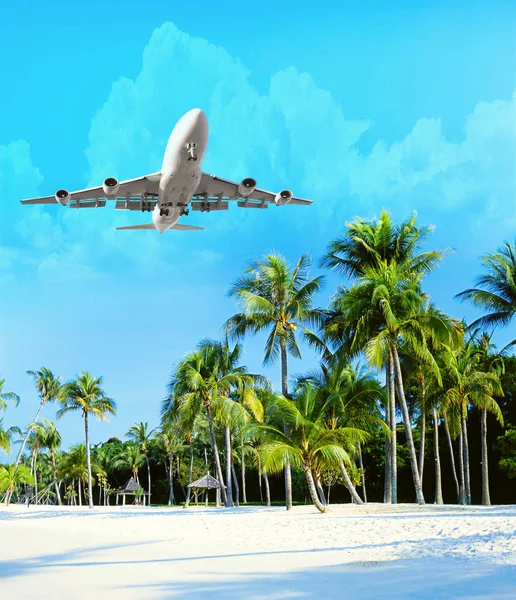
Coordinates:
<point>217,457</point>
<point>148,478</point>
<point>35,478</point>
<point>88,459</point>
<point>260,479</point>
<point>54,472</point>
<point>348,483</point>
<point>284,391</point>
<point>267,489</point>
<point>486,500</point>
<point>408,430</point>
<point>422,440</point>
<point>387,484</point>
<point>80,490</point>
<point>320,490</point>
<point>462,491</point>
<point>437,457</point>
<point>190,472</point>
<point>229,489</point>
<point>171,481</point>
<point>313,492</point>
<point>467,478</point>
<point>244,491</point>
<point>235,480</point>
<point>361,463</point>
<point>452,458</point>
<point>394,447</point>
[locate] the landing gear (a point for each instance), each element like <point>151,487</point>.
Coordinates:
<point>185,212</point>
<point>163,212</point>
<point>190,149</point>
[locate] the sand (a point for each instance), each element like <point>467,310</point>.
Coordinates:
<point>354,552</point>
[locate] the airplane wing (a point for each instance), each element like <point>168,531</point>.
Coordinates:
<point>214,192</point>
<point>134,194</point>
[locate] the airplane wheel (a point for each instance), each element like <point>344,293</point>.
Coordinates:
<point>166,213</point>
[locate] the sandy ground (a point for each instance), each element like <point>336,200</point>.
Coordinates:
<point>253,553</point>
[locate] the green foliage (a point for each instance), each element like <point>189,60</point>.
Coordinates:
<point>506,445</point>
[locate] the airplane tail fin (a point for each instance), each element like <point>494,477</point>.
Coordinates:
<point>178,226</point>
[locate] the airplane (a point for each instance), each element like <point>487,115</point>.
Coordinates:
<point>179,185</point>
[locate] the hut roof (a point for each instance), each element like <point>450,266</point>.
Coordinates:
<point>206,482</point>
<point>130,487</point>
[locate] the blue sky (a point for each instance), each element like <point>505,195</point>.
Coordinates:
<point>358,105</point>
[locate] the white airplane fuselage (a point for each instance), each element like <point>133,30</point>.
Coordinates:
<point>181,170</point>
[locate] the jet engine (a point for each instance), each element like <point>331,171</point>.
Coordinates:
<point>62,197</point>
<point>284,197</point>
<point>246,187</point>
<point>110,186</point>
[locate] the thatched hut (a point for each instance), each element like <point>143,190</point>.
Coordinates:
<point>204,484</point>
<point>130,488</point>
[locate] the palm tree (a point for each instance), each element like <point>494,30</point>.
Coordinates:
<point>277,299</point>
<point>371,244</point>
<point>353,397</point>
<point>11,477</point>
<point>130,457</point>
<point>140,434</point>
<point>74,466</point>
<point>202,382</point>
<point>467,384</point>
<point>48,387</point>
<point>6,436</point>
<point>386,308</point>
<point>310,444</point>
<point>50,438</point>
<point>85,394</point>
<point>6,397</point>
<point>495,290</point>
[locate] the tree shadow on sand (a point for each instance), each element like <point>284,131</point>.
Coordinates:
<point>428,579</point>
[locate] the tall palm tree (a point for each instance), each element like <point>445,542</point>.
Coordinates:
<point>140,434</point>
<point>202,382</point>
<point>6,397</point>
<point>371,244</point>
<point>495,290</point>
<point>50,438</point>
<point>309,444</point>
<point>278,299</point>
<point>85,394</point>
<point>48,386</point>
<point>468,385</point>
<point>384,309</point>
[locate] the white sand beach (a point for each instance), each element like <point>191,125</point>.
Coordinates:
<point>251,553</point>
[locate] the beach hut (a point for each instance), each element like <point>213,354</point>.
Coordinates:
<point>205,484</point>
<point>130,488</point>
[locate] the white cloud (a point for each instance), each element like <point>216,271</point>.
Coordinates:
<point>294,135</point>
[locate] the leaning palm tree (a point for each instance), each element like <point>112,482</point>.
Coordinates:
<point>353,398</point>
<point>310,444</point>
<point>48,386</point>
<point>50,438</point>
<point>278,299</point>
<point>141,435</point>
<point>85,394</point>
<point>200,383</point>
<point>11,477</point>
<point>495,290</point>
